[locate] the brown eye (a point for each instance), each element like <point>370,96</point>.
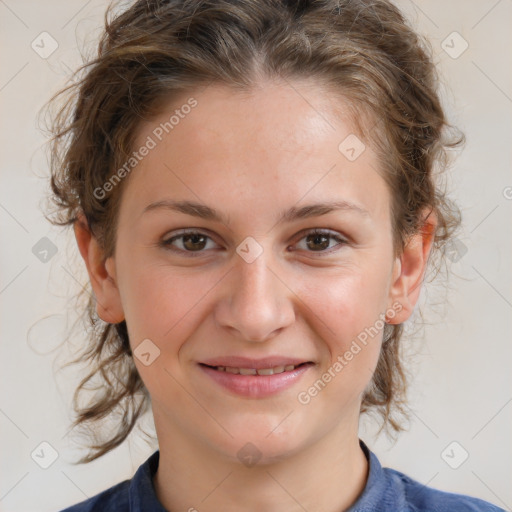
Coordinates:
<point>189,241</point>
<point>193,242</point>
<point>320,241</point>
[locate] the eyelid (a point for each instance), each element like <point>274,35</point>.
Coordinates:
<point>322,231</point>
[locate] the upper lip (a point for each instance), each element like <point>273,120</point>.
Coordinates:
<point>257,364</point>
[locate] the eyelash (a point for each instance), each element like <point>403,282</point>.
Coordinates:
<point>166,244</point>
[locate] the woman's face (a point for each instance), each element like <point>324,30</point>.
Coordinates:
<point>255,282</point>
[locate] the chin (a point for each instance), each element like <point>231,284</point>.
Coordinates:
<point>260,443</point>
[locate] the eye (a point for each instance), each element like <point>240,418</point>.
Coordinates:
<point>189,242</point>
<point>319,240</point>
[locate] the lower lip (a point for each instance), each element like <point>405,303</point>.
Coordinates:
<point>256,386</point>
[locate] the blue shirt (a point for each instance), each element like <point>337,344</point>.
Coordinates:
<point>386,490</point>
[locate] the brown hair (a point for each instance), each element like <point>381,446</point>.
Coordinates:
<point>362,50</point>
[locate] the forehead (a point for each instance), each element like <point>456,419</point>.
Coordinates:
<point>275,144</point>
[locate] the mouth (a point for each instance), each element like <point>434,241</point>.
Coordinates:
<point>264,381</point>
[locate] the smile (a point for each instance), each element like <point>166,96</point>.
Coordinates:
<point>256,383</point>
<point>254,371</point>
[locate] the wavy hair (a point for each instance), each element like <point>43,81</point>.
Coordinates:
<point>362,50</point>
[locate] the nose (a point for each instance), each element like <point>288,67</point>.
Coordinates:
<point>257,302</point>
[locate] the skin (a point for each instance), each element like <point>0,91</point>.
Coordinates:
<point>251,156</point>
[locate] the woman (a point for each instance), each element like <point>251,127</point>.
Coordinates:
<point>252,190</point>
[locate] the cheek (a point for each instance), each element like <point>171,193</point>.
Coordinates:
<point>165,306</point>
<point>346,303</point>
<point>159,300</point>
<point>349,318</point>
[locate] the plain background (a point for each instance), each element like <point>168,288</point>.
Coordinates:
<point>462,388</point>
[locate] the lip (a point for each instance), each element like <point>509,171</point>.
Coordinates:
<point>256,386</point>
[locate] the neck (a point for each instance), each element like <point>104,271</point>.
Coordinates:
<point>327,476</point>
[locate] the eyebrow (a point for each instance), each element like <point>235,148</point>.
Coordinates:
<point>292,214</point>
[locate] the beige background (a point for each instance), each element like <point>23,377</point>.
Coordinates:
<point>462,392</point>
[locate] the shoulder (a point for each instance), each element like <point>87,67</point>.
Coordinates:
<point>418,497</point>
<point>114,499</point>
<point>389,490</point>
<point>137,494</point>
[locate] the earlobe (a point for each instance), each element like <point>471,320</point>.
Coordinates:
<point>409,269</point>
<point>101,274</point>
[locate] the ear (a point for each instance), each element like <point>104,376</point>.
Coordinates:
<point>101,273</point>
<point>409,268</point>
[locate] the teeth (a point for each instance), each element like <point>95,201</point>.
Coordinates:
<point>247,371</point>
<point>253,371</point>
<point>266,371</point>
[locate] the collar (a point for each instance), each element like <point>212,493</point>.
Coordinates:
<point>142,495</point>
